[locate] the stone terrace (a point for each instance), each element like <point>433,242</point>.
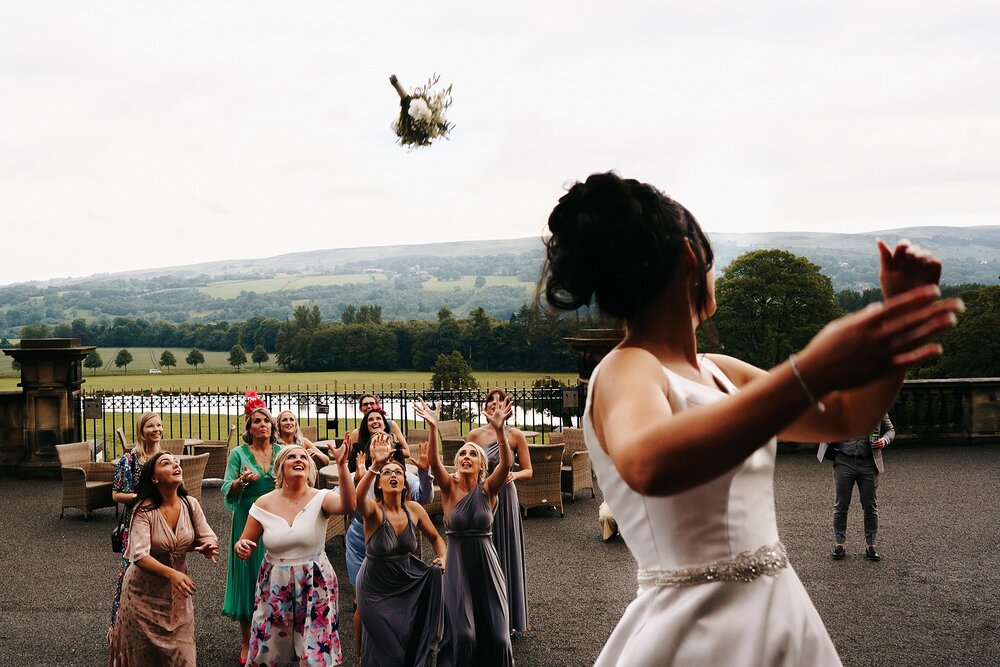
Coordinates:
<point>933,600</point>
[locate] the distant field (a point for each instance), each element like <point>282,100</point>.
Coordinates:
<point>468,282</point>
<point>347,380</point>
<point>231,288</point>
<point>144,358</point>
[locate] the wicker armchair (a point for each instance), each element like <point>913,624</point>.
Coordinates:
<point>450,428</point>
<point>544,489</point>
<point>449,448</point>
<point>218,455</point>
<point>310,433</point>
<point>174,446</point>
<point>577,473</point>
<point>86,485</point>
<point>194,473</point>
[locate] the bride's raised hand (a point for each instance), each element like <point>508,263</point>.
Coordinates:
<point>906,267</point>
<point>381,451</point>
<point>864,346</point>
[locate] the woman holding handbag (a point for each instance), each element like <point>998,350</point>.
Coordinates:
<point>148,434</point>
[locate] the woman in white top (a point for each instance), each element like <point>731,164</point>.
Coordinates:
<point>684,443</point>
<point>295,619</point>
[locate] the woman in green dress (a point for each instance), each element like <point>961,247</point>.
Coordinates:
<point>249,475</point>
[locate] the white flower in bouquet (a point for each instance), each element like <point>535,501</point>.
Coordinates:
<point>419,111</point>
<point>394,125</point>
<point>422,114</point>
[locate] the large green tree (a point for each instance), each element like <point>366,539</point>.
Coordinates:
<point>194,358</point>
<point>237,357</point>
<point>972,348</point>
<point>770,304</point>
<point>168,359</point>
<point>123,359</point>
<point>259,356</point>
<point>93,361</point>
<point>452,371</point>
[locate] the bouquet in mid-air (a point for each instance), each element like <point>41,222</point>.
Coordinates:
<point>421,118</point>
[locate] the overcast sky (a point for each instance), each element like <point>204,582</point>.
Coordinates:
<point>136,135</point>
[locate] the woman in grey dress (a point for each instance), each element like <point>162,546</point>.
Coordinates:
<point>399,597</point>
<point>475,591</point>
<point>508,533</point>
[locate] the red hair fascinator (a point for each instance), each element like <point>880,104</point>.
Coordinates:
<point>254,402</point>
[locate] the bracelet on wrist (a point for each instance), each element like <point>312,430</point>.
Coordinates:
<point>802,383</point>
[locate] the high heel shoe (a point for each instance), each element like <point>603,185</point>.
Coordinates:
<point>243,661</point>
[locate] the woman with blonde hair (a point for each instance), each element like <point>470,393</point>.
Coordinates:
<point>148,434</point>
<point>249,475</point>
<point>155,625</point>
<point>508,532</point>
<point>295,618</point>
<point>289,433</point>
<point>477,625</point>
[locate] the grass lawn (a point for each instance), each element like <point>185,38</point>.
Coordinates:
<point>227,382</point>
<point>232,288</point>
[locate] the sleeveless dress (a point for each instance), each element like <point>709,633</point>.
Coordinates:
<point>715,586</point>
<point>508,538</point>
<point>241,575</point>
<point>421,488</point>
<point>475,592</point>
<point>399,598</point>
<point>295,616</point>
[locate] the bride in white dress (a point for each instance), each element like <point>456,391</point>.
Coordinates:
<point>683,443</point>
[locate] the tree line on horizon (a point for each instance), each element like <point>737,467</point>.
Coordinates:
<point>771,303</point>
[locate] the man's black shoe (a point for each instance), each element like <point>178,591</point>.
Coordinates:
<point>871,554</point>
<point>839,552</point>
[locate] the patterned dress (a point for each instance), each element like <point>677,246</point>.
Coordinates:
<point>156,623</point>
<point>295,619</point>
<point>126,479</point>
<point>241,576</point>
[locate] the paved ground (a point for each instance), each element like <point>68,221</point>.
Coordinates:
<point>933,600</point>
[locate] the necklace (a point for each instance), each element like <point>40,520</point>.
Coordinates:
<point>266,464</point>
<point>295,501</point>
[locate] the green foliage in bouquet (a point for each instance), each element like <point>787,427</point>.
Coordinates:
<point>422,114</point>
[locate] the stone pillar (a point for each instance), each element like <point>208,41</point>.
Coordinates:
<point>51,376</point>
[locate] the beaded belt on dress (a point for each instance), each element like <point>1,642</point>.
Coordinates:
<point>747,566</point>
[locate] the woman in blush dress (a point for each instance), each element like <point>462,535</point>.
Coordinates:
<point>684,443</point>
<point>295,615</point>
<point>508,533</point>
<point>289,433</point>
<point>477,627</point>
<point>249,475</point>
<point>155,624</point>
<point>399,597</point>
<point>148,433</point>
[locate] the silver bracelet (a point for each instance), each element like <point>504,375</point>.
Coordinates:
<point>802,383</point>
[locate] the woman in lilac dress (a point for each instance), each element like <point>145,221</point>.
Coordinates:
<point>399,597</point>
<point>508,533</point>
<point>475,591</point>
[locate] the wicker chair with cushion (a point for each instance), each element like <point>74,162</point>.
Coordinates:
<point>218,455</point>
<point>194,473</point>
<point>544,489</point>
<point>449,448</point>
<point>310,433</point>
<point>577,473</point>
<point>450,428</point>
<point>174,446</point>
<point>86,485</point>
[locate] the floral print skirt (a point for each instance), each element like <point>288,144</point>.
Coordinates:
<point>295,619</point>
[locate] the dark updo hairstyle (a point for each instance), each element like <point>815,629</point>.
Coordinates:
<point>617,242</point>
<point>147,494</point>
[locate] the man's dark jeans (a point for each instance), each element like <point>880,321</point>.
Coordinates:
<point>848,471</point>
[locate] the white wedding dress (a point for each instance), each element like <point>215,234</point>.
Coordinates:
<point>715,586</point>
